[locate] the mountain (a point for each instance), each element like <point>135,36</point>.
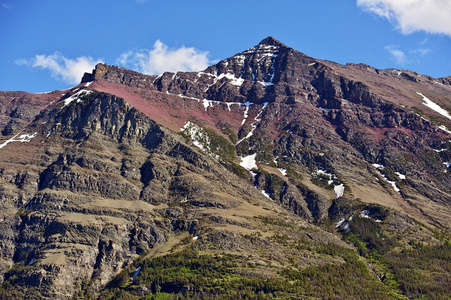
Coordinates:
<point>269,174</point>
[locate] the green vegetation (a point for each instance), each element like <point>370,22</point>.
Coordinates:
<point>219,145</point>
<point>350,280</point>
<point>418,110</point>
<point>382,267</point>
<point>371,243</point>
<point>322,180</point>
<point>416,270</point>
<point>236,169</point>
<point>264,152</point>
<point>424,271</point>
<point>189,274</point>
<point>15,285</point>
<point>228,131</point>
<point>368,236</point>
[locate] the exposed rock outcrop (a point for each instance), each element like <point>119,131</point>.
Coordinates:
<point>128,166</point>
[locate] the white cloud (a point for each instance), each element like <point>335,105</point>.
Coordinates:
<point>406,57</point>
<point>433,16</point>
<point>398,55</point>
<point>421,52</point>
<point>161,59</point>
<point>6,5</point>
<point>62,68</point>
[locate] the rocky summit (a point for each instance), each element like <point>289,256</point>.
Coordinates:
<point>271,174</point>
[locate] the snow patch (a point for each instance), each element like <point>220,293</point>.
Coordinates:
<point>254,124</point>
<point>366,214</point>
<point>434,106</point>
<point>237,81</point>
<point>265,54</point>
<point>253,175</point>
<point>344,224</point>
<point>332,177</point>
<point>339,190</point>
<point>199,74</point>
<point>401,176</point>
<point>265,83</point>
<point>266,194</point>
<point>392,183</point>
<point>246,111</point>
<point>262,51</point>
<point>207,103</point>
<point>443,127</point>
<point>76,96</point>
<point>282,171</point>
<point>377,166</point>
<point>249,162</point>
<point>19,138</point>
<point>158,77</point>
<point>341,222</point>
<point>233,80</point>
<point>198,136</point>
<point>240,59</point>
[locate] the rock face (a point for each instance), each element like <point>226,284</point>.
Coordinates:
<point>124,163</point>
<point>101,198</point>
<point>17,109</point>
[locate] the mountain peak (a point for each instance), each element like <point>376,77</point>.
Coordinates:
<point>267,143</point>
<point>270,41</point>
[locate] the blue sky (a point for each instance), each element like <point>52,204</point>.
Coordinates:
<point>47,44</point>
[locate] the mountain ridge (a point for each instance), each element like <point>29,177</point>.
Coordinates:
<point>267,157</point>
